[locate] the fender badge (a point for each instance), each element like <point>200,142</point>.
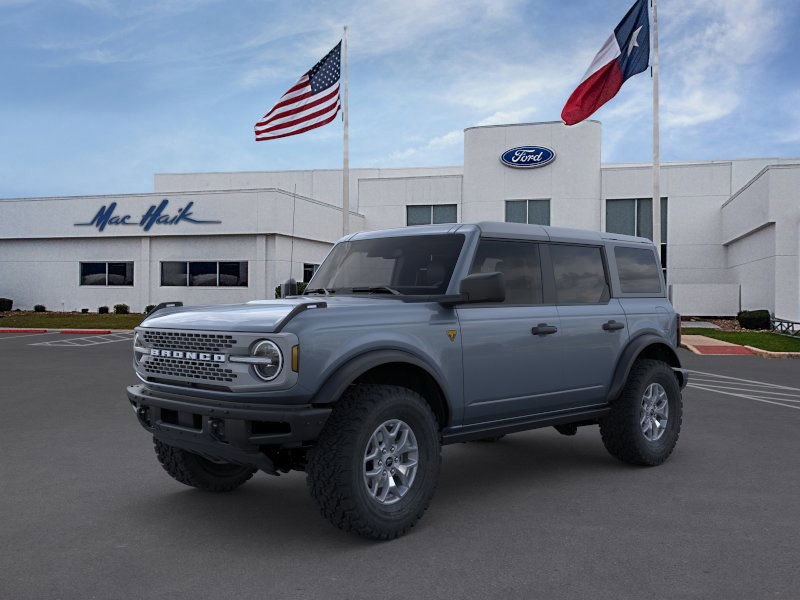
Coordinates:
<point>451,333</point>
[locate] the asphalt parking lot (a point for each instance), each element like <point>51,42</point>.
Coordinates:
<point>87,511</point>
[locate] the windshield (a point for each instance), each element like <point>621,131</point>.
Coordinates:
<point>409,265</point>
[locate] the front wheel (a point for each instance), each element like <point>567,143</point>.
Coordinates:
<point>645,421</point>
<point>374,468</point>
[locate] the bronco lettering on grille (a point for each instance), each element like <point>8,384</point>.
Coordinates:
<point>204,356</point>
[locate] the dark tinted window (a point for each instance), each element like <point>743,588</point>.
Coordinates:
<point>579,274</point>
<point>233,274</point>
<point>203,273</point>
<point>638,270</point>
<point>93,273</point>
<point>416,265</point>
<point>519,264</point>
<point>173,273</point>
<point>120,273</point>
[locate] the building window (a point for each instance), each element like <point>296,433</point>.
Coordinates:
<point>308,271</point>
<point>532,212</point>
<point>204,273</point>
<point>634,216</point>
<point>107,273</point>
<point>580,275</point>
<point>427,214</point>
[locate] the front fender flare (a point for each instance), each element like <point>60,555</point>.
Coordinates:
<point>633,350</point>
<point>347,373</point>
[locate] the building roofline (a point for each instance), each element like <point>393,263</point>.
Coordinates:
<point>184,193</point>
<point>310,170</point>
<point>755,178</point>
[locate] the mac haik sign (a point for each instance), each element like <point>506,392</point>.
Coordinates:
<point>157,215</point>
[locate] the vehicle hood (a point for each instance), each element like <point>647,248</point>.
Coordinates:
<point>260,316</point>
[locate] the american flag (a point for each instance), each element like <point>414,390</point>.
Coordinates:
<point>310,103</point>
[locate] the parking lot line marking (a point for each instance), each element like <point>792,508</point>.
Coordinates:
<point>728,387</point>
<point>738,379</point>
<point>92,340</point>
<point>754,386</point>
<point>745,396</point>
<point>11,337</point>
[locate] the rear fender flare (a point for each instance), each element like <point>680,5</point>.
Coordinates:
<point>633,351</point>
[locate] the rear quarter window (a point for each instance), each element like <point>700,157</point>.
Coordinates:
<point>638,270</point>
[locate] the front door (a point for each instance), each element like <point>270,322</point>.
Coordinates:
<point>511,364</point>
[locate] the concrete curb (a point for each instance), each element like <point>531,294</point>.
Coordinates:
<point>770,354</point>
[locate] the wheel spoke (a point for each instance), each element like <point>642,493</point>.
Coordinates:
<point>394,444</point>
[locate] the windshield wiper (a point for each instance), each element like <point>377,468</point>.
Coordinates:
<point>377,289</point>
<point>319,291</point>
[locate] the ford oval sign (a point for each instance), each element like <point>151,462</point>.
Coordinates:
<point>527,157</point>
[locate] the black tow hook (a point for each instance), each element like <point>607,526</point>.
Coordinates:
<point>143,414</point>
<point>216,427</point>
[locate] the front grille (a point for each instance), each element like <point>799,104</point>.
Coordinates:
<point>193,369</point>
<point>181,340</point>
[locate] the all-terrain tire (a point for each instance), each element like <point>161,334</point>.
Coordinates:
<point>196,471</point>
<point>335,471</point>
<point>621,430</point>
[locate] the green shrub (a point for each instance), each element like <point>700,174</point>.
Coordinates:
<point>122,309</point>
<point>39,308</point>
<point>103,310</point>
<point>6,304</point>
<point>149,308</point>
<point>301,287</point>
<point>754,319</point>
<point>84,310</point>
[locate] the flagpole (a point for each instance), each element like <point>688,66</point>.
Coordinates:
<point>346,156</point>
<point>656,141</point>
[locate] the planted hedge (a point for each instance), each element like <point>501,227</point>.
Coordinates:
<point>754,319</point>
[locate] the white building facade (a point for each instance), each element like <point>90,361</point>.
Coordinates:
<point>730,228</point>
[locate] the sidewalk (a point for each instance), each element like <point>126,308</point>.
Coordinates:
<point>700,344</point>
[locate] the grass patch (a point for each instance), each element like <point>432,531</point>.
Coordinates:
<point>59,320</point>
<point>764,340</point>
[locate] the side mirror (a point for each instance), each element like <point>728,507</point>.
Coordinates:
<point>483,287</point>
<point>289,288</point>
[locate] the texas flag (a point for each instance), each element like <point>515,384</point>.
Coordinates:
<point>625,53</point>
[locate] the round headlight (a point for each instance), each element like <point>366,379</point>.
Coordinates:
<point>271,361</point>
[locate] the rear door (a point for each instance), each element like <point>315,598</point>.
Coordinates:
<point>511,365</point>
<point>593,330</point>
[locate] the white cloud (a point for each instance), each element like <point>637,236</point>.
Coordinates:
<point>451,139</point>
<point>707,49</point>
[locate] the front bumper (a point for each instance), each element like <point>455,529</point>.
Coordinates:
<point>682,375</point>
<point>230,431</point>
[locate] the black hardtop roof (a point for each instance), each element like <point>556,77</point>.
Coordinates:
<point>497,229</point>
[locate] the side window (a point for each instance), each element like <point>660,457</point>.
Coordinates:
<point>519,264</point>
<point>638,270</point>
<point>580,276</point>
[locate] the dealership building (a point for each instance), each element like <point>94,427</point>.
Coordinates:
<point>730,233</point>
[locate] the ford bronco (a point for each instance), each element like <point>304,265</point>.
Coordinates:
<point>408,339</point>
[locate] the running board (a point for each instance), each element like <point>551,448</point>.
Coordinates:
<point>452,435</point>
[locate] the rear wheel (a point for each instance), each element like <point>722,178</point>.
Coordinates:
<point>194,470</point>
<point>375,466</point>
<point>645,421</point>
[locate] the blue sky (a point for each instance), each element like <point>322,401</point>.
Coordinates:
<point>97,95</point>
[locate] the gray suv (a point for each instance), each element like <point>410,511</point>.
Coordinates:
<point>408,339</point>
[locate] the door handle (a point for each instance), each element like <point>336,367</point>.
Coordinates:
<point>544,329</point>
<point>612,325</point>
